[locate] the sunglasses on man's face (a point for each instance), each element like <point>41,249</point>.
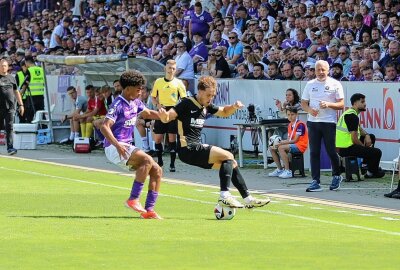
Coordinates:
<point>232,37</point>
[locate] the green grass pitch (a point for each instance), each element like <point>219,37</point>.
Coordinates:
<point>54,217</point>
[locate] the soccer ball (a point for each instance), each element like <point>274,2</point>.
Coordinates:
<point>224,212</point>
<point>274,140</point>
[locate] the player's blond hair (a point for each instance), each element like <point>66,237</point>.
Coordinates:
<point>171,62</point>
<point>206,82</point>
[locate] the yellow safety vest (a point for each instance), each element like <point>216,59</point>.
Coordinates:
<point>21,79</point>
<point>36,83</point>
<point>343,136</point>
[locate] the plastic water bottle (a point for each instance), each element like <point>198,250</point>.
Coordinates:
<point>2,137</point>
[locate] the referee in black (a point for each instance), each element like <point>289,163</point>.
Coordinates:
<point>8,94</point>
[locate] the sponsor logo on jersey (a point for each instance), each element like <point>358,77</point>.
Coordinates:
<point>198,123</point>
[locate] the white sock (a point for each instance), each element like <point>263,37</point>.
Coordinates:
<point>71,135</point>
<point>225,194</point>
<point>76,135</point>
<point>248,199</point>
<point>145,143</point>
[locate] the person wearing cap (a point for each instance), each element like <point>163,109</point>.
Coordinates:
<point>199,51</point>
<point>337,72</point>
<point>200,21</point>
<point>309,71</point>
<point>321,98</point>
<point>322,53</point>
<point>58,33</point>
<point>32,89</point>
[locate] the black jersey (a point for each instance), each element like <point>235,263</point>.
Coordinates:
<point>7,88</point>
<point>191,118</point>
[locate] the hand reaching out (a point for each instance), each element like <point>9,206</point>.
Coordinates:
<point>238,104</point>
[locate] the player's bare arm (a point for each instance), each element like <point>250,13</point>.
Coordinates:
<point>338,105</point>
<point>228,110</point>
<point>106,130</point>
<point>167,116</point>
<point>149,114</point>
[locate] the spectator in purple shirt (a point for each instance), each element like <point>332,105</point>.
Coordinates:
<point>218,40</point>
<point>117,129</point>
<point>200,21</point>
<point>199,50</point>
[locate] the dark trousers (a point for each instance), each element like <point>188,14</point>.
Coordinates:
<point>8,116</point>
<point>318,131</point>
<point>371,156</point>
<point>32,105</point>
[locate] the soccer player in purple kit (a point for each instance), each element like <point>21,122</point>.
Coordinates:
<point>117,129</point>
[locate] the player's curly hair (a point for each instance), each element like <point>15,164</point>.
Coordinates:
<point>132,78</point>
<point>206,82</point>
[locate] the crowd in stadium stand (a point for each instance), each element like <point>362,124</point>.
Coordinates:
<point>247,39</point>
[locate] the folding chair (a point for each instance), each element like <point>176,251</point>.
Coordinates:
<point>41,117</point>
<point>391,166</point>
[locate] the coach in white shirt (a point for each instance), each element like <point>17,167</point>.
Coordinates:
<point>321,98</point>
<point>184,62</point>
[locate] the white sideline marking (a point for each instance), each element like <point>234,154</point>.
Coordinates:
<point>212,203</point>
<point>366,215</point>
<point>342,211</point>
<point>317,208</point>
<point>200,190</point>
<point>295,205</point>
<point>389,218</point>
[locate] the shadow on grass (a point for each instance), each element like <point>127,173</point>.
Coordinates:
<point>78,217</point>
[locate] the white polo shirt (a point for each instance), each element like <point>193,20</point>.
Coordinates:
<point>185,62</point>
<point>315,91</point>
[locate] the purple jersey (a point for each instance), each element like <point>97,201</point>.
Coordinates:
<point>200,50</point>
<point>223,42</point>
<point>124,114</point>
<point>200,23</point>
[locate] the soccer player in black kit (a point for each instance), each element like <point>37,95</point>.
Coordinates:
<point>191,114</point>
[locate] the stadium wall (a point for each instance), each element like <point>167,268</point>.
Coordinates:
<point>382,117</point>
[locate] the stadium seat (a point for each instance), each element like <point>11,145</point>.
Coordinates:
<point>391,166</point>
<point>42,117</point>
<point>351,167</point>
<point>297,163</point>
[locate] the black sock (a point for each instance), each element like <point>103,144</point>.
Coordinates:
<point>159,150</point>
<point>225,174</point>
<point>172,147</point>
<point>239,183</point>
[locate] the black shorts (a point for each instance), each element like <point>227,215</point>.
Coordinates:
<point>163,128</point>
<point>196,155</point>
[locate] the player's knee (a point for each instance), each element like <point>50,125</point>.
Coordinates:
<point>156,171</point>
<point>229,156</point>
<point>234,164</point>
<point>147,162</point>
